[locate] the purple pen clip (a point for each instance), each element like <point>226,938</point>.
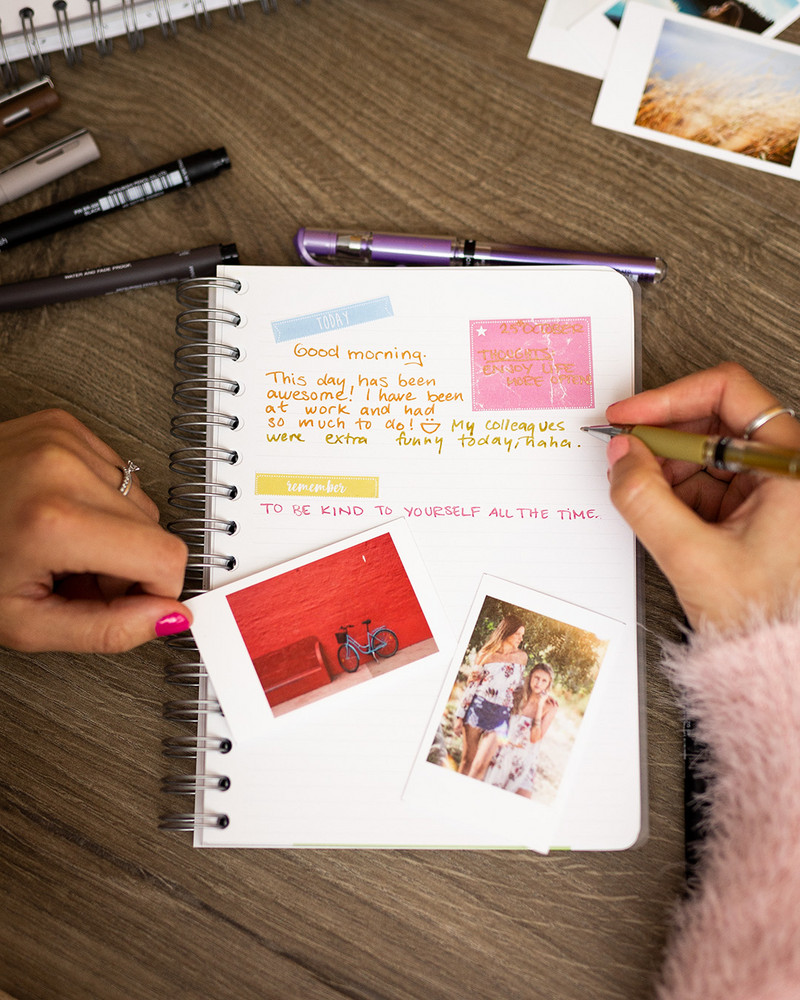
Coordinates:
<point>312,242</point>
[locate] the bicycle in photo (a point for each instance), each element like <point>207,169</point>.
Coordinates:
<point>381,644</point>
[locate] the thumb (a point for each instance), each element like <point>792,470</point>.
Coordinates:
<point>92,626</point>
<point>667,528</point>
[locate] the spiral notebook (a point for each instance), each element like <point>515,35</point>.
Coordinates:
<point>319,403</point>
<point>34,31</point>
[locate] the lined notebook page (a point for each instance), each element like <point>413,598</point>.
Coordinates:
<point>453,398</point>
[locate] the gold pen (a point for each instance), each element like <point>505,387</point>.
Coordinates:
<point>731,454</point>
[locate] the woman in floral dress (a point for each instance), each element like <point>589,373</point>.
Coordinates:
<point>483,714</point>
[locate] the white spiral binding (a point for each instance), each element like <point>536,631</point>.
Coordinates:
<point>193,461</point>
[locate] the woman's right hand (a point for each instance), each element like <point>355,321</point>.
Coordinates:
<point>729,544</point>
<point>84,568</point>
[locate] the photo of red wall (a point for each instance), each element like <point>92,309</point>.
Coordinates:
<point>288,623</point>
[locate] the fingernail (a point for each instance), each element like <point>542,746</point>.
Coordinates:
<point>170,624</point>
<point>617,448</point>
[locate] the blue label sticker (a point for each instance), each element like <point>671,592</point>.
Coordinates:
<point>329,320</point>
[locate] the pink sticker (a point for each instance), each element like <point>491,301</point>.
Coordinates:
<point>532,364</point>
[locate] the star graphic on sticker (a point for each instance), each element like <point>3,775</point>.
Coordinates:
<point>481,331</point>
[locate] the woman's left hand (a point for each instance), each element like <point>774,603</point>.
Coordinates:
<point>85,568</point>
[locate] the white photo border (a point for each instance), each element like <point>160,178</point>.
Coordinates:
<point>621,92</point>
<point>777,26</point>
<point>228,662</point>
<point>526,822</point>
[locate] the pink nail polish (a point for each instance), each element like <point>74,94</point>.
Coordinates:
<point>170,624</point>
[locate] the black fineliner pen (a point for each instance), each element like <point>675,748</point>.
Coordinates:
<point>199,263</point>
<point>123,194</point>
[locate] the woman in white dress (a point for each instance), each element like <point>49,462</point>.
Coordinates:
<point>515,763</point>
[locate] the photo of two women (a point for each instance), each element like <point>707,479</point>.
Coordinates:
<point>518,700</point>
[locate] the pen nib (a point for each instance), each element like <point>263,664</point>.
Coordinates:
<point>604,431</point>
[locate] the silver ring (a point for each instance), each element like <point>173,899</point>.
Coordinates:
<point>127,477</point>
<point>761,418</point>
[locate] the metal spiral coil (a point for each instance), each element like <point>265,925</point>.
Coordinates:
<point>211,560</point>
<point>9,69</point>
<point>167,22</point>
<point>194,291</point>
<point>193,392</point>
<point>200,11</point>
<point>127,10</point>
<point>103,45</point>
<point>41,62</point>
<point>181,643</point>
<point>194,496</point>
<point>188,673</point>
<point>193,324</point>
<point>190,709</point>
<point>133,32</point>
<point>189,784</point>
<point>194,425</point>
<point>189,822</point>
<point>191,746</point>
<point>192,358</point>
<point>194,461</point>
<point>72,53</point>
<point>197,529</point>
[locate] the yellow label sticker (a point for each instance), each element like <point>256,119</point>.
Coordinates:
<point>288,485</point>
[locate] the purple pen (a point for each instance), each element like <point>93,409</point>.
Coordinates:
<point>319,246</point>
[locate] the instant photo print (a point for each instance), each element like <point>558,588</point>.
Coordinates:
<point>319,627</point>
<point>514,716</point>
<point>706,88</point>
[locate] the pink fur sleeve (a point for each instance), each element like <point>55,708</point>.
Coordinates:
<point>737,936</point>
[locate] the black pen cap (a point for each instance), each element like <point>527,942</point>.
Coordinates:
<point>229,253</point>
<point>209,163</point>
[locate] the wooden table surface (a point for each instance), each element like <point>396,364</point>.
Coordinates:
<point>395,115</point>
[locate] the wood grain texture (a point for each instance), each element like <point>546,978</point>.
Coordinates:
<point>401,115</point>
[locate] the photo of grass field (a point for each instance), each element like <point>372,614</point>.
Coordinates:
<point>732,93</point>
